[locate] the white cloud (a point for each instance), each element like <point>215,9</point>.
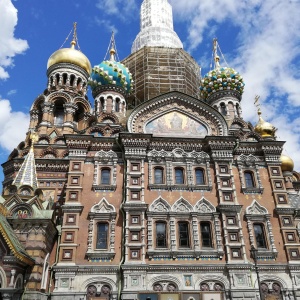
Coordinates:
<point>11,92</point>
<point>106,24</point>
<point>266,46</point>
<point>10,46</point>
<point>122,9</point>
<point>13,126</point>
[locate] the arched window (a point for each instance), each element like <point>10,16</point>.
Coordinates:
<point>117,105</point>
<point>183,234</point>
<point>91,292</point>
<point>105,176</point>
<point>199,176</point>
<point>158,176</point>
<point>102,102</point>
<point>249,181</point>
<point>223,109</point>
<point>179,178</point>
<point>65,78</point>
<point>237,110</point>
<point>59,115</point>
<point>260,236</point>
<point>102,236</point>
<point>206,239</point>
<point>161,235</point>
<point>72,80</point>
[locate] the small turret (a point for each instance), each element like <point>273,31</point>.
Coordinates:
<point>222,88</point>
<point>111,82</point>
<point>265,129</point>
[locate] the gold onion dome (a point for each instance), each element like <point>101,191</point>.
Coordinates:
<point>71,56</point>
<point>263,128</point>
<point>287,163</point>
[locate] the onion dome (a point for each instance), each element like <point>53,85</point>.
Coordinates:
<point>110,72</point>
<point>263,128</point>
<point>220,79</point>
<point>287,163</point>
<point>70,56</point>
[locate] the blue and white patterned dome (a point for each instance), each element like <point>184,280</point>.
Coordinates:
<point>110,72</point>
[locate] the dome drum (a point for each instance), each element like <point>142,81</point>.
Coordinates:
<point>61,75</point>
<point>223,94</point>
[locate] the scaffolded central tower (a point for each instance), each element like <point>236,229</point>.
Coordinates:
<point>158,62</point>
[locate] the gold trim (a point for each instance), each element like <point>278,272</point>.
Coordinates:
<point>21,257</point>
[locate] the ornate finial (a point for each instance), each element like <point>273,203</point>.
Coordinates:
<point>215,53</point>
<point>33,138</point>
<point>73,43</point>
<point>257,104</point>
<point>113,46</point>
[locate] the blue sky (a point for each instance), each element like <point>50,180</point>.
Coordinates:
<point>259,38</point>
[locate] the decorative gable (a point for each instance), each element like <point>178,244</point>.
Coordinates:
<point>177,115</point>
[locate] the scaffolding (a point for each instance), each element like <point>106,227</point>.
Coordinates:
<point>159,70</point>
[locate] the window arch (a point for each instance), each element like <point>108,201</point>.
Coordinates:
<point>179,176</point>
<point>117,105</point>
<point>183,234</point>
<point>102,235</point>
<point>260,237</point>
<point>161,234</point>
<point>199,176</point>
<point>206,234</point>
<point>158,175</point>
<point>223,109</point>
<point>105,176</point>
<point>59,113</point>
<point>91,292</point>
<point>249,179</point>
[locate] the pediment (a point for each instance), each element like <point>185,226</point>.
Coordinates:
<point>256,209</point>
<point>177,115</point>
<point>182,206</point>
<point>204,206</point>
<point>160,205</point>
<point>103,207</point>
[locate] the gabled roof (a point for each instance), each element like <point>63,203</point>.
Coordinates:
<point>12,241</point>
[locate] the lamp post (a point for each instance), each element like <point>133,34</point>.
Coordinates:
<point>253,252</point>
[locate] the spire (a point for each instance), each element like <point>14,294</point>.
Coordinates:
<point>156,26</point>
<point>215,54</point>
<point>27,172</point>
<point>112,46</point>
<point>73,43</point>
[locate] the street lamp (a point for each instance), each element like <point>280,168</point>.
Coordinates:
<point>254,252</point>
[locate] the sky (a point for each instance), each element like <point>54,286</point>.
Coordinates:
<point>259,38</point>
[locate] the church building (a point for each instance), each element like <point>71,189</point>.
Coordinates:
<point>155,189</point>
